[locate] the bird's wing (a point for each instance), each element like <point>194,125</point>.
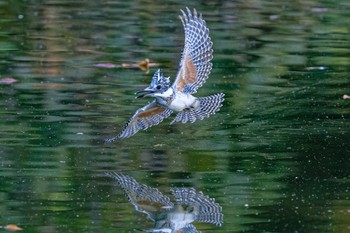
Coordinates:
<point>189,228</point>
<point>145,117</point>
<point>204,207</point>
<point>144,198</point>
<point>195,65</point>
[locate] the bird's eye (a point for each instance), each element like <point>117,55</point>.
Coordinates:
<point>158,87</point>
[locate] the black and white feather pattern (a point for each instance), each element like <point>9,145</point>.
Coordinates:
<point>142,120</point>
<point>194,68</point>
<point>208,105</point>
<point>144,198</point>
<point>198,48</point>
<point>188,206</point>
<point>208,210</point>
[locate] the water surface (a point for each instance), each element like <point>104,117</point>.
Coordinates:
<point>276,157</point>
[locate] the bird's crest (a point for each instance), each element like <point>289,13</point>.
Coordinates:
<point>194,69</point>
<point>159,81</point>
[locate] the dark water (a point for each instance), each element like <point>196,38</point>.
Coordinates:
<point>276,157</point>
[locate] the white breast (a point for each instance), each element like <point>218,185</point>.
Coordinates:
<point>182,101</point>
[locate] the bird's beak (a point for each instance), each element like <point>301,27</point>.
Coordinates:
<point>145,92</point>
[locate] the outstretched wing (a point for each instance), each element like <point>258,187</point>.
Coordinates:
<point>204,207</point>
<point>189,228</point>
<point>144,198</point>
<point>145,117</point>
<point>195,65</point>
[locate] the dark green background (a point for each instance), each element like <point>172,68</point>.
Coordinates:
<point>276,157</point>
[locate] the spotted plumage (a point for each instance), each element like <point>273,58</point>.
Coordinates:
<point>173,217</point>
<point>194,68</point>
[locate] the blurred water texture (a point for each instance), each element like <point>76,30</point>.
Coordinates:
<point>276,157</point>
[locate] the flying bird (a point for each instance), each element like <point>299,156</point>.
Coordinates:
<point>194,68</point>
<point>170,217</point>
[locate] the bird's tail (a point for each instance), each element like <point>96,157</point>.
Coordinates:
<point>207,105</point>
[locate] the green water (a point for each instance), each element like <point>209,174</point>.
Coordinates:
<point>276,156</point>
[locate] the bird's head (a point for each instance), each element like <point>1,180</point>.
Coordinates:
<point>159,84</point>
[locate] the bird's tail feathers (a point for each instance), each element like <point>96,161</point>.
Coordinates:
<point>208,105</point>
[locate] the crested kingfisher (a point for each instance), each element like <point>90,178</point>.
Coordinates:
<point>170,217</point>
<point>194,69</point>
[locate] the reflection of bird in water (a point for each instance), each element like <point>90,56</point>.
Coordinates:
<point>194,69</point>
<point>189,206</point>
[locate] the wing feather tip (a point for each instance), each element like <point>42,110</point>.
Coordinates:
<point>109,140</point>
